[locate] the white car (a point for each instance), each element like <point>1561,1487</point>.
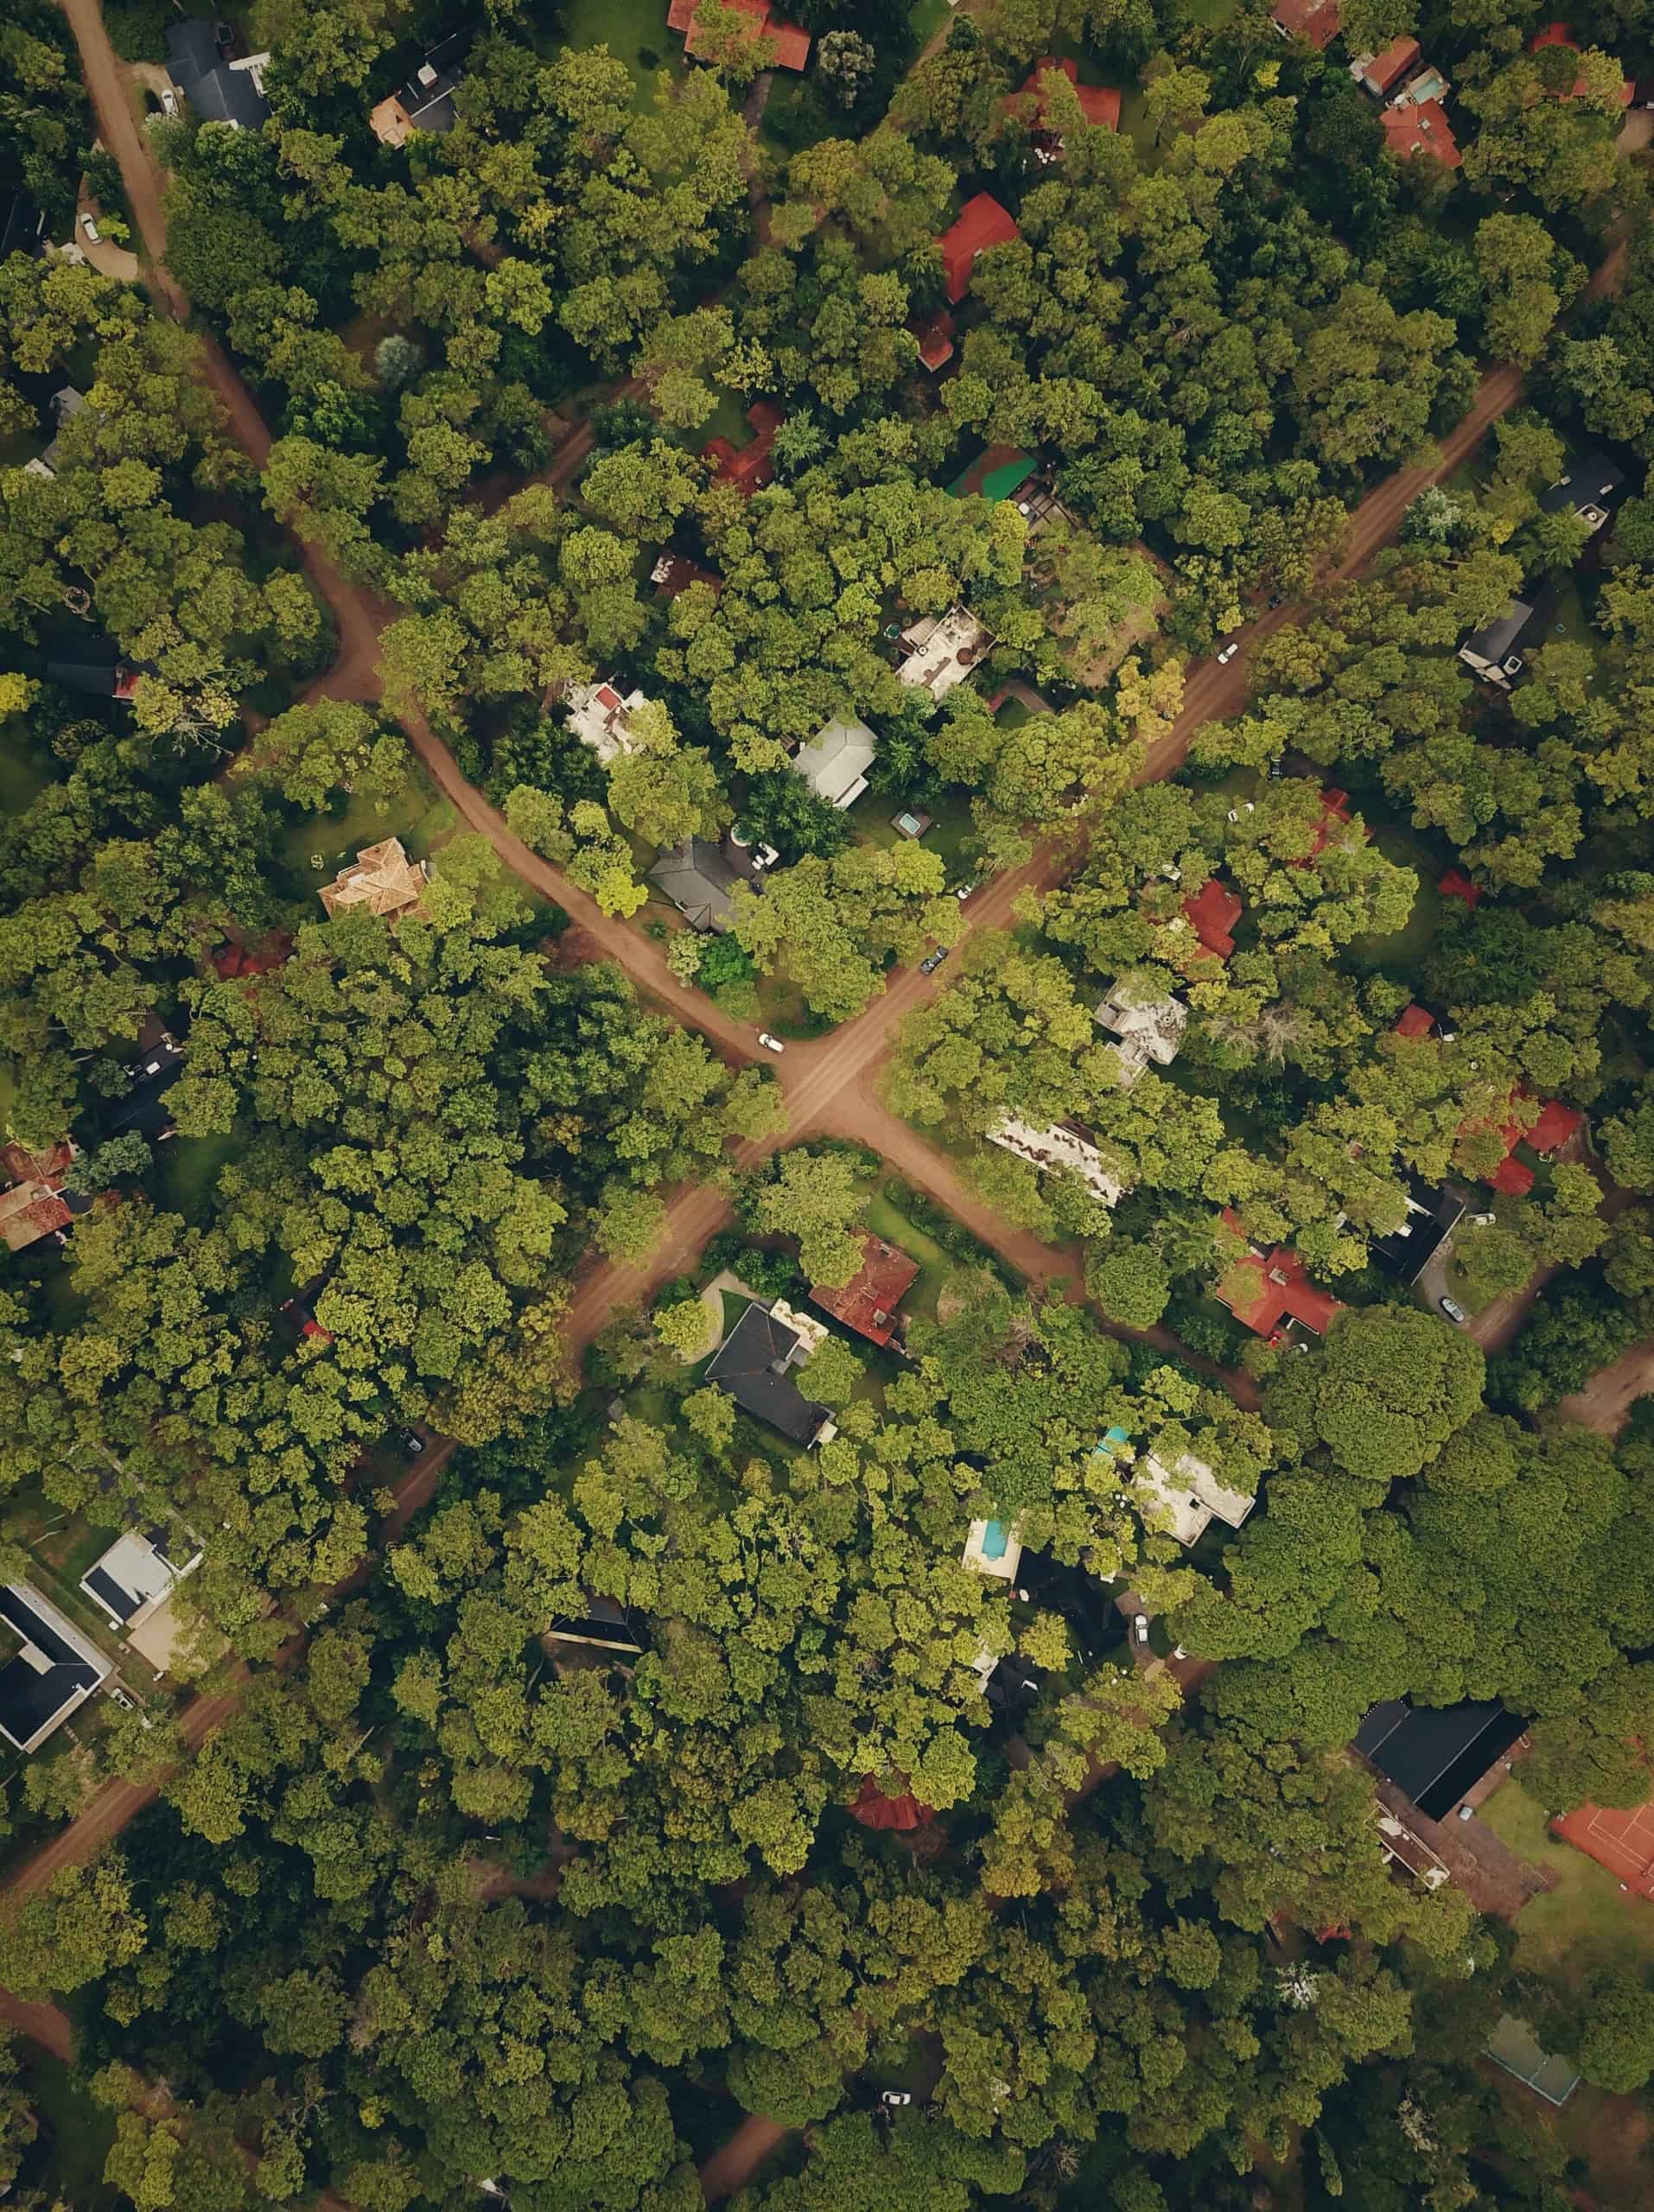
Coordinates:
<point>770,1044</point>
<point>964,892</point>
<point>1453,1310</point>
<point>897,2097</point>
<point>1228,653</point>
<point>92,230</point>
<point>1140,1628</point>
<point>1482,1220</point>
<point>169,100</point>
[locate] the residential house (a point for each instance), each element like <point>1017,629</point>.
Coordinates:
<point>789,47</point>
<point>982,223</point>
<point>1379,74</point>
<point>602,719</point>
<point>752,1365</point>
<point>1269,1292</point>
<point>143,1111</point>
<point>604,1626</point>
<point>698,881</point>
<point>934,335</point>
<point>939,651</point>
<point>382,878</point>
<point>1409,1851</point>
<point>1152,1032</point>
<point>1060,1145</point>
<point>748,467</point>
<point>675,572</point>
<point>67,403</point>
<point>34,1203</point>
<point>99,679</point>
<point>867,1302</point>
<point>1328,827</point>
<point>749,860</point>
<point>1586,489</point>
<point>836,761</point>
<point>898,1815</point>
<point>134,1582</point>
<point>22,230</point>
<point>1212,912</point>
<point>1434,1210</point>
<point>220,90</point>
<point>1099,105</point>
<point>1455,884</point>
<point>1188,1495</point>
<point>47,1667</point>
<point>1561,34</point>
<point>1554,1125</point>
<point>1421,127</point>
<point>426,101</point>
<point>1315,20</point>
<point>1415,1022</point>
<point>1434,1754</point>
<point>1491,652</point>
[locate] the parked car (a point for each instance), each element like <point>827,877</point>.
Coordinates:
<point>126,1704</point>
<point>1140,1628</point>
<point>92,230</point>
<point>1453,1310</point>
<point>964,892</point>
<point>169,100</point>
<point>1482,1220</point>
<point>770,1044</point>
<point>1229,652</point>
<point>409,1443</point>
<point>897,2097</point>
<point>933,961</point>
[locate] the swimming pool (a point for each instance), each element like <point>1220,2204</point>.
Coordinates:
<point>994,1538</point>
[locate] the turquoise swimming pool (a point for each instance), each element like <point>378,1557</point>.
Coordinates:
<point>994,1538</point>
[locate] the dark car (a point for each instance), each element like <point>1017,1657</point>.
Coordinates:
<point>933,961</point>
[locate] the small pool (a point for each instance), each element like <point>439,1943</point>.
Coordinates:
<point>1116,1435</point>
<point>995,1537</point>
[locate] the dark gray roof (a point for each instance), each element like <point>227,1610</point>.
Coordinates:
<point>96,676</point>
<point>1432,1214</point>
<point>23,230</point>
<point>216,91</point>
<point>698,879</point>
<point>31,1701</point>
<point>1588,482</point>
<point>1434,1754</point>
<point>1494,642</point>
<point>750,1364</point>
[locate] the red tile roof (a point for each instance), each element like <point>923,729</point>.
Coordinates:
<point>748,467</point>
<point>1563,34</point>
<point>1270,1287</point>
<point>1512,1178</point>
<point>232,960</point>
<point>935,335</point>
<point>1556,1123</point>
<point>1315,20</point>
<point>1381,71</point>
<point>792,45</point>
<point>681,14</point>
<point>1098,104</point>
<point>1335,811</point>
<point>982,223</point>
<point>867,1302</point>
<point>1422,129</point>
<point>1455,884</point>
<point>1213,913</point>
<point>1415,1022</point>
<point>874,1810</point>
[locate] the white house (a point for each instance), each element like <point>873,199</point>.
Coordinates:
<point>600,718</point>
<point>1144,1033</point>
<point>941,650</point>
<point>1059,1146</point>
<point>836,761</point>
<point>1189,1494</point>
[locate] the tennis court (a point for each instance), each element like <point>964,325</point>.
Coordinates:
<point>1621,1840</point>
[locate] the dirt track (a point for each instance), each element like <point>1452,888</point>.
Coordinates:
<point>733,2164</point>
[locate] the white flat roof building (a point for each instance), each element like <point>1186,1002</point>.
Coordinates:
<point>942,650</point>
<point>836,761</point>
<point>1189,1494</point>
<point>600,718</point>
<point>137,1574</point>
<point>1144,1033</point>
<point>1059,1146</point>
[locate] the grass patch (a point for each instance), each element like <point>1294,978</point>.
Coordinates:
<point>24,772</point>
<point>189,1168</point>
<point>630,29</point>
<point>928,17</point>
<point>138,28</point>
<point>1402,951</point>
<point>950,828</point>
<point>1587,1920</point>
<point>82,2134</point>
<point>419,815</point>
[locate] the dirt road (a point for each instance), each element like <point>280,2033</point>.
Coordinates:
<point>733,2164</point>
<point>1607,1399</point>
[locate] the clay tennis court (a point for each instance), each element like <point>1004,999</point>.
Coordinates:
<point>1623,1841</point>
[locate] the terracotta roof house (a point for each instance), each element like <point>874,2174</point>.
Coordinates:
<point>789,44</point>
<point>748,467</point>
<point>1267,1292</point>
<point>897,1815</point>
<point>934,333</point>
<point>1422,127</point>
<point>1556,1123</point>
<point>1416,1021</point>
<point>34,1206</point>
<point>1315,20</point>
<point>1377,72</point>
<point>1333,816</point>
<point>752,1363</point>
<point>982,223</point>
<point>1098,104</point>
<point>1455,884</point>
<point>381,878</point>
<point>675,572</point>
<point>698,880</point>
<point>1563,34</point>
<point>868,1300</point>
<point>602,719</point>
<point>1212,913</point>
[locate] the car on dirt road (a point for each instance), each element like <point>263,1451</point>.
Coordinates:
<point>169,100</point>
<point>933,961</point>
<point>770,1044</point>
<point>964,892</point>
<point>1228,653</point>
<point>1453,1310</point>
<point>92,230</point>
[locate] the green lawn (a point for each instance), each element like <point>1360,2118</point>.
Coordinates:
<point>947,834</point>
<point>630,28</point>
<point>82,2134</point>
<point>24,774</point>
<point>189,1167</point>
<point>313,848</point>
<point>1401,952</point>
<point>1587,1920</point>
<point>935,1267</point>
<point>928,17</point>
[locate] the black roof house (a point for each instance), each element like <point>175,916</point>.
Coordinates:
<point>22,230</point>
<point>1433,1213</point>
<point>750,1364</point>
<point>1584,489</point>
<point>219,90</point>
<point>54,1670</point>
<point>698,880</point>
<point>1434,1754</point>
<point>143,1110</point>
<point>604,1626</point>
